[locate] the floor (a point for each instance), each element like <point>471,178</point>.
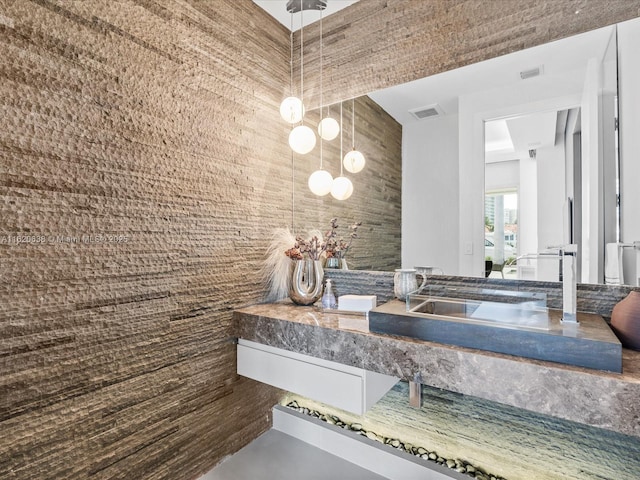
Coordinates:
<point>276,455</point>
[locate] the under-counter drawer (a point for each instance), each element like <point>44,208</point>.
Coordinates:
<point>349,388</point>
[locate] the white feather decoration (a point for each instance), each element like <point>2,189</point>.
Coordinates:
<point>276,270</point>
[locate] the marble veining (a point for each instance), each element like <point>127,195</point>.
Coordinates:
<point>595,398</point>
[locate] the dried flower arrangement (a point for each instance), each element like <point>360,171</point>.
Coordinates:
<point>339,248</point>
<point>314,246</point>
<point>276,269</point>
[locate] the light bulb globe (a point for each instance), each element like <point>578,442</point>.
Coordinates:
<point>292,110</point>
<point>302,139</point>
<point>354,161</point>
<point>328,128</point>
<point>342,188</point>
<point>320,182</point>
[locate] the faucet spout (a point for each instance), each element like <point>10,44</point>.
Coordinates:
<point>568,254</point>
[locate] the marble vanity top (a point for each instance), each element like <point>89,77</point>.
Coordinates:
<point>597,398</point>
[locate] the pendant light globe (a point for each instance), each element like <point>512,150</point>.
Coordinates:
<point>292,110</point>
<point>320,182</point>
<point>354,161</point>
<point>328,128</point>
<point>342,188</point>
<point>302,139</point>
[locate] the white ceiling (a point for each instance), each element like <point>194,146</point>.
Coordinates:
<point>278,10</point>
<point>566,58</point>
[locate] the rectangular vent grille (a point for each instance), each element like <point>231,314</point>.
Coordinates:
<point>426,112</point>
<point>533,72</point>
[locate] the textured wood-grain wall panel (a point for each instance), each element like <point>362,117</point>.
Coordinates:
<point>142,167</point>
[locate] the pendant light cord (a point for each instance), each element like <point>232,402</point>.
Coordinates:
<point>341,172</point>
<point>302,63</point>
<point>321,65</point>
<point>293,163</point>
<point>291,58</point>
<point>353,123</point>
<point>321,97</point>
<point>293,193</point>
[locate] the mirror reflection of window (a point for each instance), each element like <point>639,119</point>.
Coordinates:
<point>501,232</point>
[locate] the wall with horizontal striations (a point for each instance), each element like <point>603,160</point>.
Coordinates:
<point>142,170</point>
<point>132,213</point>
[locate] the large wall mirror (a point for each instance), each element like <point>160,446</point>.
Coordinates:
<point>509,158</point>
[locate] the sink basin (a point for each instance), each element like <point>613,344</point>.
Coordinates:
<point>448,307</point>
<point>524,329</point>
<point>509,315</point>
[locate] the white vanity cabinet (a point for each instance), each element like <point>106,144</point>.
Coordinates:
<point>342,386</point>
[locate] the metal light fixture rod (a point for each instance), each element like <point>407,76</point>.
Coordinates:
<point>295,6</point>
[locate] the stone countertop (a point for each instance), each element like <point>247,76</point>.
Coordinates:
<point>596,398</point>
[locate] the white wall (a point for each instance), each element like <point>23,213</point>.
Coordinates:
<point>430,193</point>
<point>550,162</point>
<point>528,207</point>
<point>592,226</point>
<point>629,92</point>
<point>551,168</point>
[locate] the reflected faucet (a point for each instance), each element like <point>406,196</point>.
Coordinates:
<point>568,255</point>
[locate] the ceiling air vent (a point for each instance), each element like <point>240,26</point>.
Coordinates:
<point>427,112</point>
<point>532,72</point>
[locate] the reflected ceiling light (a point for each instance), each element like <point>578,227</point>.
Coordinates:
<point>328,128</point>
<point>342,188</point>
<point>292,110</point>
<point>354,160</point>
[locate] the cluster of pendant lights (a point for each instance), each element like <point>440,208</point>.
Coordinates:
<point>302,138</point>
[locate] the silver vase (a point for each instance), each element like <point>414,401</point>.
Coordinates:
<point>306,282</point>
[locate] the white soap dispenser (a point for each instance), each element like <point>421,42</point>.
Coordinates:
<point>328,298</point>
